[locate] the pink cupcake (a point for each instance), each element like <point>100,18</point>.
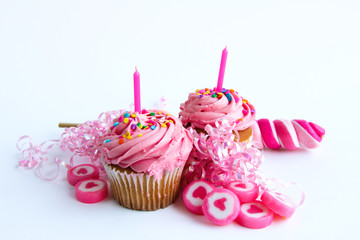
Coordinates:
<point>207,106</point>
<point>144,155</point>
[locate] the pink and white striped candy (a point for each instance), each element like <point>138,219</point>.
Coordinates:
<point>245,191</point>
<point>194,195</point>
<point>221,206</point>
<point>290,135</point>
<point>309,134</point>
<point>254,215</point>
<point>91,190</point>
<point>277,204</point>
<point>82,172</point>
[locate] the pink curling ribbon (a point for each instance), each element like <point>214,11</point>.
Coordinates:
<point>275,186</point>
<point>35,155</point>
<point>219,159</point>
<point>83,140</point>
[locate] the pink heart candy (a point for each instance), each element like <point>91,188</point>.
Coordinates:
<point>91,190</point>
<point>254,209</point>
<point>220,203</point>
<point>200,192</point>
<point>91,185</point>
<point>194,195</point>
<point>82,171</point>
<point>241,185</point>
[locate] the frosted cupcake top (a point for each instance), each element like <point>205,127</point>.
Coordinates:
<point>151,142</point>
<point>206,106</point>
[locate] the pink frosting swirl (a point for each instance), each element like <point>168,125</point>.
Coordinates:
<point>151,142</point>
<point>207,106</point>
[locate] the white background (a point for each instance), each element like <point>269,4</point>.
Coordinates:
<point>71,60</point>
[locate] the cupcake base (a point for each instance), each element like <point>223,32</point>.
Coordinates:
<point>139,191</point>
<point>245,135</point>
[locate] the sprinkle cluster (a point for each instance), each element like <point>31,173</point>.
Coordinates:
<point>128,118</point>
<point>215,94</point>
<point>228,94</point>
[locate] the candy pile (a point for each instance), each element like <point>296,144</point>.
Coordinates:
<point>88,187</point>
<point>237,201</point>
<point>222,181</point>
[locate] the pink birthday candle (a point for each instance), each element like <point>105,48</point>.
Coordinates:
<point>137,91</point>
<point>222,70</point>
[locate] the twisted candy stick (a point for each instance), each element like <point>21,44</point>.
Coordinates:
<point>290,135</point>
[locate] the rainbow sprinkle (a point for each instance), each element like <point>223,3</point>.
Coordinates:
<point>239,120</point>
<point>214,94</point>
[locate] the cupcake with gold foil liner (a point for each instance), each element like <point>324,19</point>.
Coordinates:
<point>144,155</point>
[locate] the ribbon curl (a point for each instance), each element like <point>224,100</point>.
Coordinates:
<point>35,155</point>
<point>83,140</point>
<point>219,158</point>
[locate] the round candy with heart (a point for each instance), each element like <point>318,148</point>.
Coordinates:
<point>277,204</point>
<point>221,206</point>
<point>82,172</point>
<point>245,191</point>
<point>91,190</point>
<point>254,215</point>
<point>194,195</point>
